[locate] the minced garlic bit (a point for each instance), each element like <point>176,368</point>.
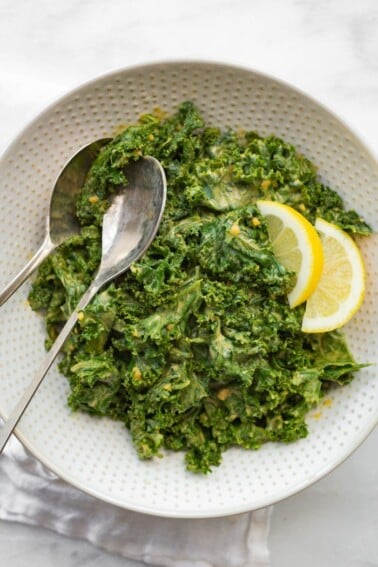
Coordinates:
<point>317,415</point>
<point>151,137</point>
<point>167,387</point>
<point>80,316</point>
<point>255,221</point>
<point>327,403</point>
<point>93,199</point>
<point>302,207</point>
<point>136,373</point>
<point>266,184</point>
<point>160,113</point>
<point>235,230</point>
<point>223,394</point>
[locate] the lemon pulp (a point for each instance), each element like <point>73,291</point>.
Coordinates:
<point>341,288</point>
<point>297,246</point>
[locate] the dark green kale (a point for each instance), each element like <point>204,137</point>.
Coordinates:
<point>195,348</point>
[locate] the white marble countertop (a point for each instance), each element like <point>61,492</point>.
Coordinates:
<point>328,48</point>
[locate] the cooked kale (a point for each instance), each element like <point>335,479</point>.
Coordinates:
<point>195,348</point>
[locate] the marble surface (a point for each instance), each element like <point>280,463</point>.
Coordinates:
<point>328,48</point>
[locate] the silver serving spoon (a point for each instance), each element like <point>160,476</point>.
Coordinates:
<point>61,222</point>
<point>129,227</point>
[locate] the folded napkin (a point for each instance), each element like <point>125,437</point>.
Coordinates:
<point>31,494</point>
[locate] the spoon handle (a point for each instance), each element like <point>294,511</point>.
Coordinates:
<point>13,419</point>
<point>45,249</point>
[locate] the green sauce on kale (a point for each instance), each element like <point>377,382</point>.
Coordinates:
<point>195,348</point>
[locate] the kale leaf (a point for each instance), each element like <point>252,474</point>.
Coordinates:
<point>195,348</point>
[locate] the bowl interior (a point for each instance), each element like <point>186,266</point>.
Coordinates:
<point>96,454</point>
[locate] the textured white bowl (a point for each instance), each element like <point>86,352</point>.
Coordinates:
<point>96,454</point>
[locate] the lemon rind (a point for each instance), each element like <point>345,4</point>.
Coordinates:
<point>309,245</point>
<point>351,305</point>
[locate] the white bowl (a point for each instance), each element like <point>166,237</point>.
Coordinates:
<point>96,455</point>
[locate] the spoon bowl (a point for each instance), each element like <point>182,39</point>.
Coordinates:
<point>133,219</point>
<point>129,226</point>
<point>61,221</point>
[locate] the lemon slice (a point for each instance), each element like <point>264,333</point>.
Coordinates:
<point>296,245</point>
<point>341,288</point>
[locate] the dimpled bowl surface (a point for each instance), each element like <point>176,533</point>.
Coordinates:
<point>96,455</point>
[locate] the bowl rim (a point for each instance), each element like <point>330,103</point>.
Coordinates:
<point>321,472</point>
<point>339,117</point>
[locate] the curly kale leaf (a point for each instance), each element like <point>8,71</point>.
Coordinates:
<point>195,347</point>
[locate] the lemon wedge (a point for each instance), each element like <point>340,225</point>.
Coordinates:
<point>296,245</point>
<point>341,288</point>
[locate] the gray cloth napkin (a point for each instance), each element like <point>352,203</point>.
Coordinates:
<point>31,494</point>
